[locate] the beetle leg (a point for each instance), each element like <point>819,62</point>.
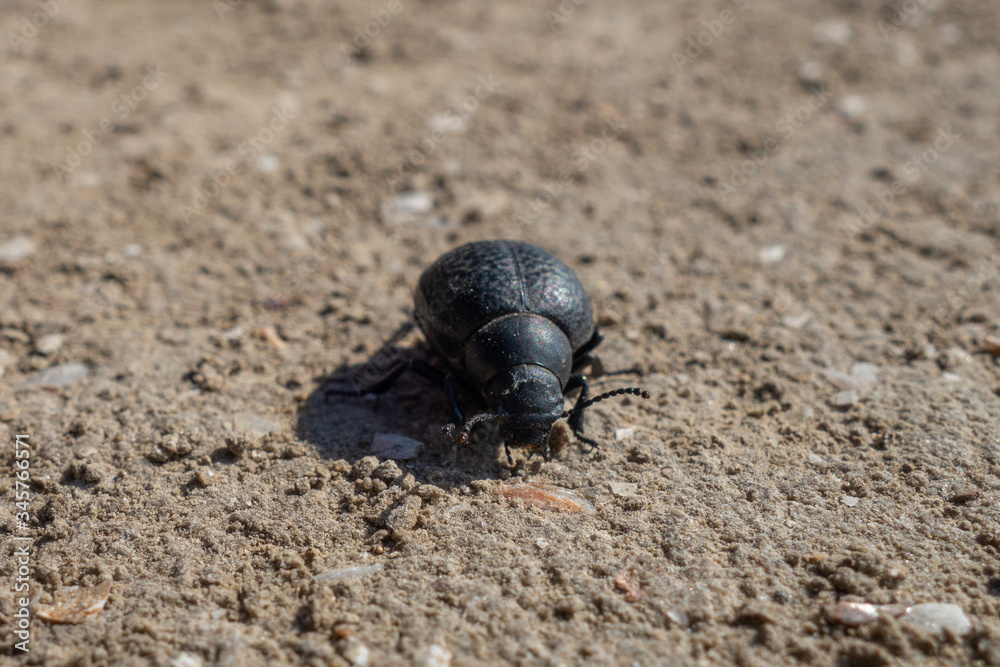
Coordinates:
<point>575,420</point>
<point>457,419</point>
<point>382,385</point>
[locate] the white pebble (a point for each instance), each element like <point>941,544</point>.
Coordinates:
<point>445,123</point>
<point>795,321</point>
<point>853,105</point>
<point>833,31</point>
<point>131,251</point>
<point>623,433</point>
<point>186,660</point>
<point>254,424</point>
<point>16,249</point>
<point>811,73</point>
<point>771,254</point>
<point>866,375</point>
<point>407,207</point>
<point>840,380</point>
<point>60,375</point>
<point>356,653</point>
<point>623,489</point>
<point>850,501</point>
<point>937,617</point>
<point>348,573</point>
<point>268,164</point>
<point>398,447</point>
<point>846,398</point>
<point>434,655</point>
<point>49,344</point>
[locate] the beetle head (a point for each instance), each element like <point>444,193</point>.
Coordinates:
<point>526,400</point>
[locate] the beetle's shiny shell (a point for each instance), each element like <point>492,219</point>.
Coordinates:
<point>478,282</point>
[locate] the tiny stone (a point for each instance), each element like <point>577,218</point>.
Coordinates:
<point>853,105</point>
<point>795,322</point>
<point>840,380</point>
<point>434,655</point>
<point>364,468</point>
<point>816,458</point>
<point>845,399</point>
<point>132,250</point>
<point>992,345</point>
<point>392,446</point>
<point>48,345</point>
<point>964,495</point>
<point>771,254</point>
<point>268,164</point>
<point>937,617</point>
<point>407,207</point>
<point>204,476</point>
<point>952,358</point>
<point>16,249</point>
<point>348,573</point>
<point>623,433</point>
<point>678,617</point>
<point>235,333</point>
<point>355,653</point>
<point>60,375</point>
<point>864,374</point>
<point>811,73</point>
<point>854,614</point>
<point>951,377</point>
<point>850,501</point>
<point>833,31</point>
<point>623,489</point>
<point>254,424</point>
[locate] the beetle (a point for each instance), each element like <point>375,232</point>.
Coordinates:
<point>514,326</point>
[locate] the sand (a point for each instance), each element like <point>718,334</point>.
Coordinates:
<point>786,214</point>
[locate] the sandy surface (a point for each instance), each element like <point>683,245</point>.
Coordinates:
<point>771,202</point>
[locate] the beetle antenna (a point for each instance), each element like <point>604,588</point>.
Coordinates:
<point>471,423</point>
<point>634,391</point>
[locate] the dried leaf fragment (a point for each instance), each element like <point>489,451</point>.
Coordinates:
<point>76,605</point>
<point>547,497</point>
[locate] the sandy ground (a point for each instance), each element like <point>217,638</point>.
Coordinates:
<point>786,214</point>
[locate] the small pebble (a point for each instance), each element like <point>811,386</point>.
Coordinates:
<point>348,573</point>
<point>268,164</point>
<point>186,660</point>
<point>811,73</point>
<point>853,105</point>
<point>16,249</point>
<point>398,447</point>
<point>434,655</point>
<point>355,653</point>
<point>840,380</point>
<point>60,375</point>
<point>816,458</point>
<point>624,433</point>
<point>132,251</point>
<point>992,345</point>
<point>866,375</point>
<point>850,501</point>
<point>964,495</point>
<point>854,614</point>
<point>254,424</point>
<point>678,617</point>
<point>48,345</point>
<point>771,254</point>
<point>845,399</point>
<point>795,322</point>
<point>623,489</point>
<point>938,617</point>
<point>407,207</point>
<point>833,31</point>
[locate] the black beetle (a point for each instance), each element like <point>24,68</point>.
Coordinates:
<point>514,326</point>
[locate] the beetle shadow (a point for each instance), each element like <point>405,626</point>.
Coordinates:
<point>343,427</point>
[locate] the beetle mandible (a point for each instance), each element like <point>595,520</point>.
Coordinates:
<point>515,327</point>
